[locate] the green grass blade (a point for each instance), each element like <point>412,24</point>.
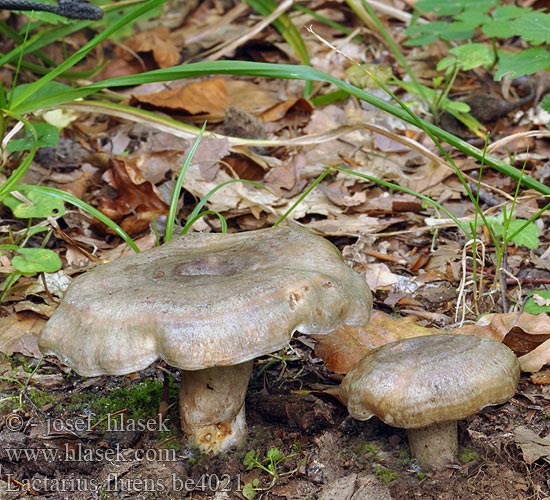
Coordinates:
<point>83,51</point>
<point>171,220</point>
<point>194,219</point>
<point>194,215</point>
<point>291,72</point>
<point>284,26</point>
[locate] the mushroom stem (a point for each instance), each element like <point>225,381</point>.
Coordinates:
<point>212,411</point>
<point>434,446</point>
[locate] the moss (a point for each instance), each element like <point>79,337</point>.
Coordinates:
<point>41,398</point>
<point>467,456</point>
<point>140,400</point>
<point>365,447</point>
<point>384,475</point>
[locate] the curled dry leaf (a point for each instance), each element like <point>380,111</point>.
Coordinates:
<point>137,201</point>
<point>532,446</point>
<point>526,334</point>
<point>18,334</point>
<point>207,97</point>
<point>156,41</point>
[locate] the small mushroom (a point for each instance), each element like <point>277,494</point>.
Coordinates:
<point>425,384</point>
<point>207,304</point>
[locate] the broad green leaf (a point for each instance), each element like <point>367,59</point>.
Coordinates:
<point>47,136</point>
<point>472,18</point>
<point>533,27</point>
<point>249,491</point>
<point>472,55</point>
<point>538,302</point>
<point>438,30</point>
<point>500,26</point>
<point>41,206</point>
<point>275,455</point>
<point>522,63</point>
<point>36,260</point>
<point>528,236</point>
<point>453,7</point>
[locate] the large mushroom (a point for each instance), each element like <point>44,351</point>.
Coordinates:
<point>207,304</point>
<point>426,384</point>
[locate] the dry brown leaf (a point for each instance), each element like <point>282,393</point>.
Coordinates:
<point>340,195</point>
<point>19,332</point>
<point>351,225</point>
<point>158,42</point>
<point>206,97</point>
<point>532,446</point>
<point>537,358</point>
<point>342,349</point>
<point>298,109</point>
<point>137,202</point>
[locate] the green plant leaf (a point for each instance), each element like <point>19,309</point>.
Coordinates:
<point>454,7</point>
<point>533,27</point>
<point>518,231</point>
<point>249,459</point>
<point>438,30</point>
<point>537,302</point>
<point>47,136</point>
<point>274,455</point>
<point>522,63</point>
<point>528,235</point>
<point>249,491</point>
<point>36,260</point>
<point>472,55</point>
<point>500,25</point>
<point>41,206</point>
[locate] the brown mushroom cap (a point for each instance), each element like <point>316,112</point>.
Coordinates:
<point>420,381</point>
<point>205,300</point>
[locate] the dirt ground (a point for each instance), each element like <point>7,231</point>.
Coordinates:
<point>84,451</point>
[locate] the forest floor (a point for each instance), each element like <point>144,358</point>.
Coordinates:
<point>67,436</point>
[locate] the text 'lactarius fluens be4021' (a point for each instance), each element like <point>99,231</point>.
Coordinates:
<point>207,304</point>
<point>426,384</point>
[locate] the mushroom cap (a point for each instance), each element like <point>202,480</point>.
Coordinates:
<point>205,300</point>
<point>436,378</point>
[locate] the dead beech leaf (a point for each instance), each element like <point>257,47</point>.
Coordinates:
<point>379,275</point>
<point>340,195</point>
<point>343,348</point>
<point>537,358</point>
<point>206,97</point>
<point>296,107</point>
<point>137,201</point>
<point>156,41</point>
<point>351,225</point>
<point>19,332</point>
<point>532,446</point>
<point>522,333</point>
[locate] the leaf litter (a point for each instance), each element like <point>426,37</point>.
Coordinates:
<point>414,267</point>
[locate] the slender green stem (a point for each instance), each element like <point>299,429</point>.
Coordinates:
<point>178,187</point>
